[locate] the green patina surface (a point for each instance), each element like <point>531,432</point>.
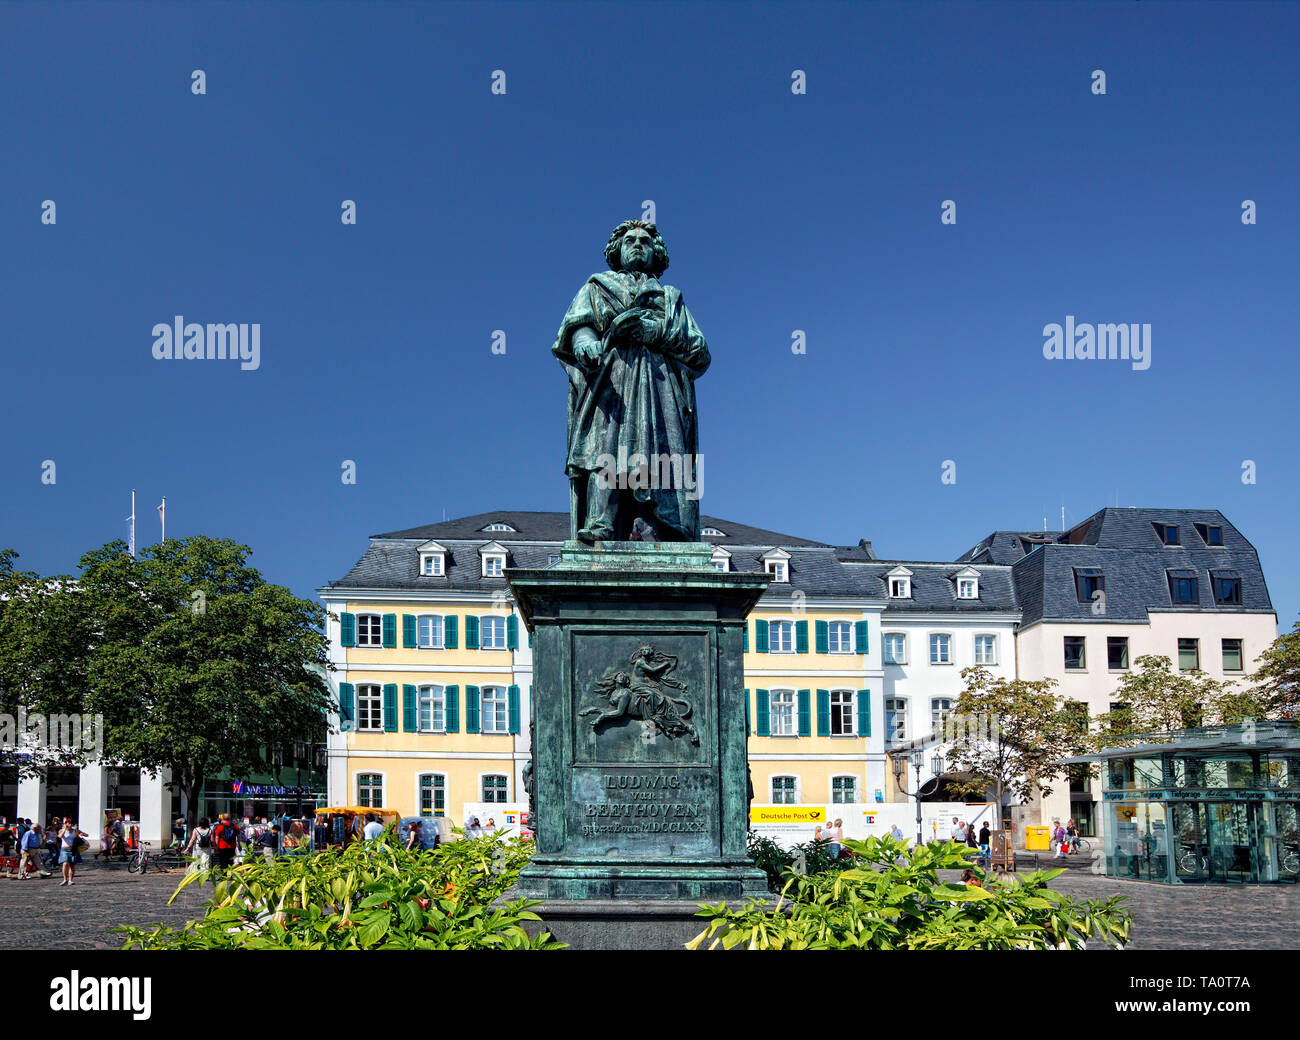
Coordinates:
<point>640,772</point>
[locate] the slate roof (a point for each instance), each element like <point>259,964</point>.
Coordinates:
<point>1135,564</point>
<point>393,562</point>
<point>934,589</point>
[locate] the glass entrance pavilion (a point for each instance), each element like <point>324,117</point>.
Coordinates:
<point>1196,806</point>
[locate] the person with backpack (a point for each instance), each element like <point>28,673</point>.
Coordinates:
<point>226,841</point>
<point>270,840</point>
<point>200,844</point>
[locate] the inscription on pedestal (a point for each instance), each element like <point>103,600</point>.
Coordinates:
<point>625,808</point>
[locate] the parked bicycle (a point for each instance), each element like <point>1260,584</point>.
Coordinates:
<point>142,860</point>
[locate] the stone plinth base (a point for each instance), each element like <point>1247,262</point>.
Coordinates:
<point>619,924</point>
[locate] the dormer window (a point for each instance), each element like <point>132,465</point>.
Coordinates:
<point>1088,581</point>
<point>968,583</point>
<point>1211,534</point>
<point>500,526</point>
<point>433,560</point>
<point>900,583</point>
<point>721,559</point>
<point>777,564</point>
<point>1168,534</point>
<point>713,532</point>
<point>493,557</point>
<point>1184,589</point>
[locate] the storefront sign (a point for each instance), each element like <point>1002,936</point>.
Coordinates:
<point>247,790</point>
<point>787,814</point>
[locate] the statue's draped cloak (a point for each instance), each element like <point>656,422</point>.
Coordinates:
<point>640,400</point>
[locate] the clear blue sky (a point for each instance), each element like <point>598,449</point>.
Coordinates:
<point>479,212</point>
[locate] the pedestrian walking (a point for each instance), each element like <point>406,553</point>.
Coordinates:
<point>1072,836</point>
<point>971,842</point>
<point>200,845</point>
<point>896,832</point>
<point>226,841</point>
<point>30,850</point>
<point>1058,838</point>
<point>985,836</point>
<point>958,833</point>
<point>69,852</point>
<point>372,830</point>
<point>835,835</point>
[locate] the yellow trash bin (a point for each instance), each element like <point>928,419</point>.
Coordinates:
<point>1038,839</point>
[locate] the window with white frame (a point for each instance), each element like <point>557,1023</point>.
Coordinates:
<point>432,708</point>
<point>496,786</point>
<point>494,710</point>
<point>433,794</point>
<point>940,648</point>
<point>721,559</point>
<point>712,532</point>
<point>839,637</point>
<point>431,564</point>
<point>900,583</point>
<point>500,526</point>
<point>844,790</point>
<point>986,649</point>
<point>370,707</point>
<point>491,633</point>
<point>779,569</point>
<point>968,588</point>
<point>785,790</point>
<point>370,630</point>
<point>428,631</point>
<point>895,648</point>
<point>782,714</point>
<point>939,708</point>
<point>780,637</point>
<point>370,790</point>
<point>844,717</point>
<point>896,718</point>
<point>494,565</point>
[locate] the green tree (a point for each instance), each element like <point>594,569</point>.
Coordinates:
<point>1276,682</point>
<point>1008,733</point>
<point>194,661</point>
<point>1154,698</point>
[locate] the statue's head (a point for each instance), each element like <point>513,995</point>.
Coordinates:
<point>636,245</point>
<point>644,651</point>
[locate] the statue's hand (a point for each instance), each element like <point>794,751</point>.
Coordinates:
<point>637,326</point>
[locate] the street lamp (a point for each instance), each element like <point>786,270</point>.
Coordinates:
<point>900,770</point>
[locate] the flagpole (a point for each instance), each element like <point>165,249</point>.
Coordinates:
<point>132,546</point>
<point>162,515</point>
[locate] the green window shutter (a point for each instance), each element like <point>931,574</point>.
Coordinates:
<point>471,709</point>
<point>823,637</point>
<point>805,713</point>
<point>452,694</point>
<point>449,632</point>
<point>764,706</point>
<point>745,643</point>
<point>410,713</point>
<point>348,629</point>
<point>864,713</point>
<point>471,632</point>
<point>347,709</point>
<point>760,636</point>
<point>530,640</point>
<point>747,722</point>
<point>512,632</point>
<point>514,709</point>
<point>390,630</point>
<point>801,637</point>
<point>860,637</point>
<point>390,706</point>
<point>408,630</point>
<point>823,713</point>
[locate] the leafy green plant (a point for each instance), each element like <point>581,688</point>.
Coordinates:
<point>812,857</point>
<point>370,896</point>
<point>893,898</point>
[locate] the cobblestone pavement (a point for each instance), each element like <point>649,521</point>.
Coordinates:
<point>41,914</point>
<point>1198,917</point>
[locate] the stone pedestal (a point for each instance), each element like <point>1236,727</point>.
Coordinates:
<point>639,784</point>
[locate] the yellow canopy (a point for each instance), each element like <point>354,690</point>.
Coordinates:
<point>358,810</point>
